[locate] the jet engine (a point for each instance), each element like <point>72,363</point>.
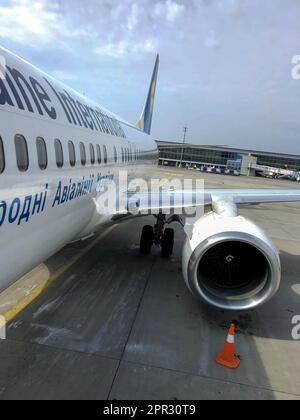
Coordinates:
<point>230,263</point>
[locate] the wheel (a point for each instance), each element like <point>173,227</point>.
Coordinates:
<point>147,239</point>
<point>167,243</point>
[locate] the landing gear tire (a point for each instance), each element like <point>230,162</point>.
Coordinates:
<point>147,240</point>
<point>167,243</point>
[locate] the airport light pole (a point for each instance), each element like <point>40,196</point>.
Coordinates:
<point>185,130</point>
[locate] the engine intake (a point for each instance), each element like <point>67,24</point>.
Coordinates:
<point>230,263</point>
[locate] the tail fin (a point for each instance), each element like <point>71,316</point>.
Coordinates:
<point>145,120</point>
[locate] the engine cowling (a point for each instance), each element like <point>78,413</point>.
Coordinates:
<point>230,263</point>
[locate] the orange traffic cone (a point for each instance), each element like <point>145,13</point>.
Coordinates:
<point>228,358</point>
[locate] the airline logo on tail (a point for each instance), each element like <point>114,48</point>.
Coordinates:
<point>145,121</point>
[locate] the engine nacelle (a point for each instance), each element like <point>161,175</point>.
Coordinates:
<point>230,263</point>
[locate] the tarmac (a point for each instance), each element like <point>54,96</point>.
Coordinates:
<point>100,321</point>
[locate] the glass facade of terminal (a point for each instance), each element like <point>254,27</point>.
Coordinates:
<point>205,156</point>
<point>221,157</point>
<point>279,162</point>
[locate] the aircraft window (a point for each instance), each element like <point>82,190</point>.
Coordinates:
<point>72,153</point>
<point>59,153</point>
<point>99,158</point>
<point>105,154</point>
<point>82,154</point>
<point>21,153</point>
<point>2,157</point>
<point>42,153</point>
<point>115,155</point>
<point>92,152</point>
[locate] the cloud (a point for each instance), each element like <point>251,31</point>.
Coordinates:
<point>112,28</point>
<point>125,48</point>
<point>169,10</point>
<point>37,23</point>
<point>231,7</point>
<point>22,23</point>
<point>133,18</point>
<point>211,40</point>
<point>174,10</point>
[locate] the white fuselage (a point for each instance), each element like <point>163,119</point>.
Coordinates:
<point>42,210</point>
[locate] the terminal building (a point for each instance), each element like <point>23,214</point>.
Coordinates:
<point>240,161</point>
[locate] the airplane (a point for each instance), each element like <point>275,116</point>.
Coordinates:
<point>58,150</point>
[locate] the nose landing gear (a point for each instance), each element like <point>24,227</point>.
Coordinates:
<point>159,236</point>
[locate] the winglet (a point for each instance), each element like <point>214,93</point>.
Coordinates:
<point>145,120</point>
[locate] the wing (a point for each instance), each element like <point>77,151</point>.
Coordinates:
<point>259,196</point>
<point>183,199</point>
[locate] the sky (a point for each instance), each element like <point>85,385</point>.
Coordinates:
<point>225,71</point>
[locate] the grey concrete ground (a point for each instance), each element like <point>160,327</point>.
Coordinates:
<point>119,325</point>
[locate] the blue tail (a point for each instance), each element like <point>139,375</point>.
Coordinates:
<point>145,120</point>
